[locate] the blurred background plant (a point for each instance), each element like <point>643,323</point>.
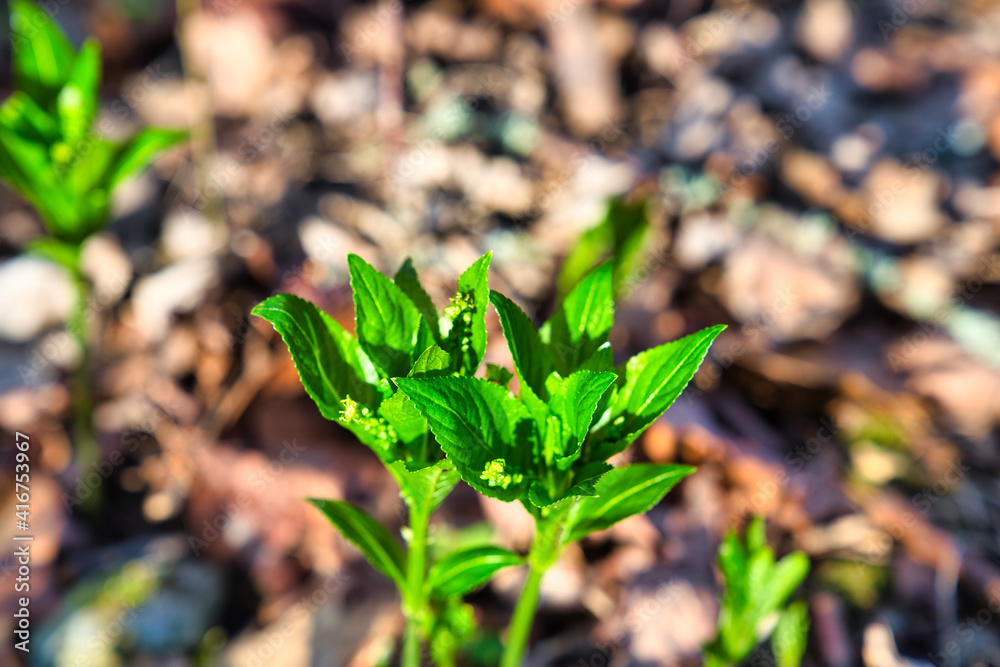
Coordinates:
<point>755,601</point>
<point>620,237</point>
<point>52,155</point>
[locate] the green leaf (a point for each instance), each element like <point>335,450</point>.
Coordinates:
<point>427,486</point>
<point>732,557</point>
<point>785,576</point>
<point>601,360</point>
<point>590,249</point>
<point>475,421</point>
<point>432,362</point>
<point>333,369</point>
<point>791,635</point>
<point>630,223</point>
<point>26,166</point>
<point>758,574</point>
<point>736,634</point>
<point>586,478</point>
<point>22,115</point>
<point>454,623</point>
<point>539,495</point>
<point>466,316</point>
<point>406,421</point>
<point>76,103</point>
<point>572,401</point>
<point>655,378</point>
<point>425,339</point>
<point>42,55</point>
<point>387,320</point>
<point>584,483</point>
<point>83,179</point>
<point>582,322</point>
<point>139,151</point>
<point>756,534</point>
<point>755,589</point>
<point>623,492</point>
<point>651,382</point>
<point>19,160</point>
<point>732,560</point>
<point>327,358</point>
<point>620,235</point>
<point>368,535</point>
<point>498,375</point>
<point>464,571</point>
<point>407,281</point>
<point>531,359</point>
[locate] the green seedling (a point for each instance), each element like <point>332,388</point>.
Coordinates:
<point>51,156</point>
<point>755,601</point>
<point>548,447</point>
<point>49,151</point>
<point>400,334</point>
<point>622,236</point>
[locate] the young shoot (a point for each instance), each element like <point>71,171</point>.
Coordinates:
<point>548,447</point>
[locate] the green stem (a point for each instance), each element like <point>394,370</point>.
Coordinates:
<point>416,603</point>
<point>524,617</point>
<point>88,450</point>
<point>548,543</point>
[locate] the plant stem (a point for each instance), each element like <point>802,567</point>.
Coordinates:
<point>524,617</point>
<point>547,545</point>
<point>88,450</point>
<point>416,570</point>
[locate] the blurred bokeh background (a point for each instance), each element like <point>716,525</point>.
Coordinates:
<point>821,176</point>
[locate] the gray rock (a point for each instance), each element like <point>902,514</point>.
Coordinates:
<point>35,295</point>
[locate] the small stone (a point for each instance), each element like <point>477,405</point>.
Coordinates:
<point>189,236</point>
<point>824,29</point>
<point>178,288</point>
<point>902,203</point>
<point>812,177</point>
<point>35,294</point>
<point>704,237</point>
<point>786,295</point>
<point>343,97</point>
<point>107,267</point>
